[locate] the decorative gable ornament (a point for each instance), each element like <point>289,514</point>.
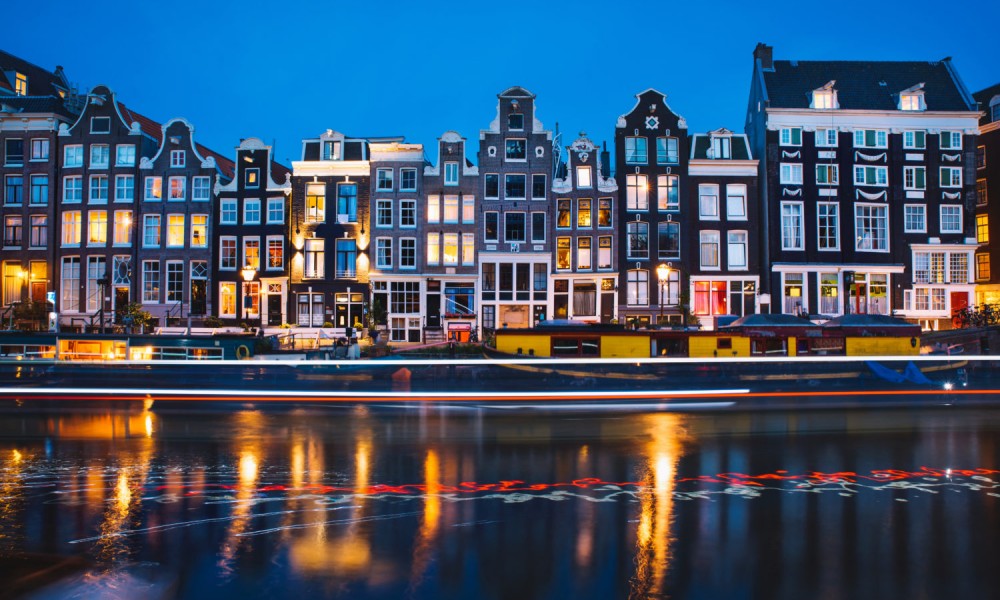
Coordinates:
<point>652,122</point>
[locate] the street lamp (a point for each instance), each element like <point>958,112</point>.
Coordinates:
<point>663,274</point>
<point>249,272</point>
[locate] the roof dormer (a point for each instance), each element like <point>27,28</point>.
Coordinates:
<point>912,98</point>
<point>825,97</point>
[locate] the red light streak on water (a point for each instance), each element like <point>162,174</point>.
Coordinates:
<point>514,485</point>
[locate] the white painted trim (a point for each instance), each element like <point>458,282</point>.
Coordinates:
<point>325,168</point>
<point>723,167</point>
<point>895,121</point>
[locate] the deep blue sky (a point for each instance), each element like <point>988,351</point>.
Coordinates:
<point>287,70</point>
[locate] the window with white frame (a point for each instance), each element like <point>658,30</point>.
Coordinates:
<point>275,211</point>
<point>667,193</point>
<point>604,252</point>
<point>583,178</point>
<point>790,173</point>
<point>871,175</point>
<point>826,137</point>
<point>951,140</point>
<point>97,228</point>
<point>637,287</point>
<point>383,253</point>
<point>914,178</point>
<point>914,218</point>
<point>583,214</point>
<point>73,156</point>
<point>636,152</point>
<point>227,253</point>
<point>433,248</point>
<point>668,240</point>
<point>123,228</point>
<point>721,147</point>
<point>175,231</point>
<point>178,191</point>
<point>251,211</point>
<point>450,248</point>
<point>201,187</point>
<point>915,140</point>
<point>227,299</point>
<point>407,253</point>
<point>951,218</point>
<point>451,173</point>
<point>70,284</point>
<point>124,188</point>
<point>514,187</point>
<point>563,250</point>
<point>468,249</point>
<point>275,253</point>
<point>383,213</point>
<point>125,155</point>
<point>584,255</point>
<point>636,192</point>
<point>150,281</point>
<point>40,190</point>
<point>604,218</point>
<point>515,227</point>
<point>177,158</point>
<point>491,185</point>
<point>450,208</point>
<point>315,202</point>
<point>491,226</point>
<point>538,227</point>
<point>951,177</point>
<point>666,151</point>
<point>515,149</point>
<point>154,189</point>
<point>709,245</point>
<point>468,209</point>
<point>871,227</point>
<point>871,138</point>
<point>175,281</point>
<point>72,189</point>
<point>828,226</point>
<point>314,253</point>
<point>383,180</point>
<point>251,179</point>
<point>791,136</point>
<point>39,149</point>
<point>199,231</point>
<point>251,253</point>
<point>98,189</point>
<point>99,156</point>
<point>708,201</point>
<point>407,180</point>
<point>434,209</point>
<point>958,267</point>
<point>737,250</point>
<point>824,99</point>
<point>151,231</point>
<point>912,101</point>
<point>792,226</point>
<point>227,211</point>
<point>407,214</point>
<point>538,189</point>
<point>638,239</point>
<point>827,174</point>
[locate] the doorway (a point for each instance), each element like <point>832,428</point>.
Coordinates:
<point>198,297</point>
<point>274,310</point>
<point>121,300</point>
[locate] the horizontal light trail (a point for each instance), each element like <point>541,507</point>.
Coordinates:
<point>337,396</point>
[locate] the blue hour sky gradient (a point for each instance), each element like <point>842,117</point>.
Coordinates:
<point>283,71</point>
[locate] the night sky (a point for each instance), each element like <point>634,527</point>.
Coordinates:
<point>282,71</point>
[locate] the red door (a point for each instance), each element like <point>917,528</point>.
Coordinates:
<point>959,302</point>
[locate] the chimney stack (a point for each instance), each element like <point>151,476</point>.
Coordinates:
<point>765,54</point>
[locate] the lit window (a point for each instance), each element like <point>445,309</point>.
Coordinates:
<point>97,228</point>
<point>175,231</point>
<point>20,84</point>
<point>315,202</point>
<point>154,188</point>
<point>178,191</point>
<point>199,231</point>
<point>583,179</point>
<point>252,178</point>
<point>911,102</point>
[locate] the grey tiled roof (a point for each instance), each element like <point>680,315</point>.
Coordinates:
<point>35,104</point>
<point>983,97</point>
<point>865,85</point>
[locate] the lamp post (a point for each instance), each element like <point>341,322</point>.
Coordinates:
<point>663,274</point>
<point>249,273</point>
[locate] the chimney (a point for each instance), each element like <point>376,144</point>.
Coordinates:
<point>605,161</point>
<point>765,54</point>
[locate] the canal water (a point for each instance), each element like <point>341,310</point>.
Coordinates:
<point>470,502</point>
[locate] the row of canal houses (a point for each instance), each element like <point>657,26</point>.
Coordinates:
<point>859,187</point>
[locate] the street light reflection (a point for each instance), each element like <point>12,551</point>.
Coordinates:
<point>653,534</point>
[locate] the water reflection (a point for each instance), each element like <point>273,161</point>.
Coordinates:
<point>653,538</point>
<point>435,504</point>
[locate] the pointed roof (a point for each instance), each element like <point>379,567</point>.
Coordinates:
<point>515,92</point>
